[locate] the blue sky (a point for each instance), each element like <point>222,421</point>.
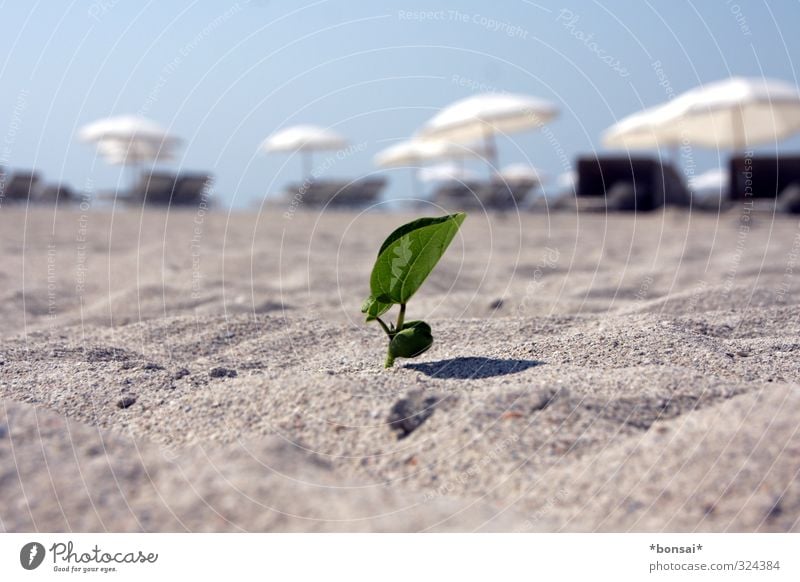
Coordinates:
<point>223,75</point>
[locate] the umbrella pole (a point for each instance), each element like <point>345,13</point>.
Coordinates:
<point>491,151</point>
<point>415,183</point>
<point>307,164</point>
<point>134,172</point>
<point>738,130</point>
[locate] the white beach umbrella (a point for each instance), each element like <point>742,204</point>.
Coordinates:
<point>522,172</point>
<point>126,128</point>
<point>414,152</point>
<point>482,116</point>
<point>446,173</point>
<point>125,153</point>
<point>643,130</point>
<point>731,114</point>
<point>305,139</point>
<point>737,112</point>
<point>130,140</point>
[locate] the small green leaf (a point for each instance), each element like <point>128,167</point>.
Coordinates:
<point>374,308</point>
<point>409,255</point>
<point>413,225</point>
<point>414,339</point>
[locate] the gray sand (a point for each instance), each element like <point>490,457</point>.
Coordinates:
<point>589,373</point>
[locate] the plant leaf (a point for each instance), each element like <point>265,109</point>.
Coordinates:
<point>409,255</point>
<point>414,339</point>
<point>374,308</point>
<point>413,225</point>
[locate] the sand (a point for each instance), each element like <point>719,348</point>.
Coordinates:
<point>174,371</point>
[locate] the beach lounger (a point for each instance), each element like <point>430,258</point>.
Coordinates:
<point>164,189</point>
<point>314,193</point>
<point>496,194</point>
<point>191,188</point>
<point>56,193</point>
<point>453,195</point>
<point>19,186</point>
<point>768,181</point>
<point>626,183</point>
<point>154,188</point>
<point>364,191</point>
<point>337,193</point>
<point>506,193</point>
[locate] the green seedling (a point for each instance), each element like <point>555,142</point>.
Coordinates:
<point>405,260</point>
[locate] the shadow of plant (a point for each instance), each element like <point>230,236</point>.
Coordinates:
<point>473,368</point>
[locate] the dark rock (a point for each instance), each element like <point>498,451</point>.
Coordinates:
<point>641,412</point>
<point>220,372</point>
<point>152,366</point>
<point>775,511</point>
<point>497,304</point>
<point>126,402</point>
<point>409,413</point>
<point>183,372</point>
<point>100,354</point>
<point>268,306</point>
<point>522,403</point>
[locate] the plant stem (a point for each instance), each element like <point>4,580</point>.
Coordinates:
<point>400,319</point>
<point>385,327</point>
